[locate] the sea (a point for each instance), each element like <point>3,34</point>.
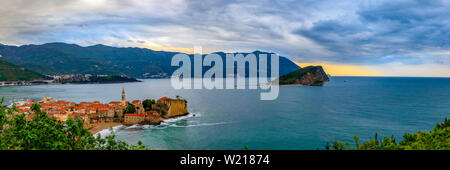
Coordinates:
<point>301,118</point>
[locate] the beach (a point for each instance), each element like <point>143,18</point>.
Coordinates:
<point>102,126</point>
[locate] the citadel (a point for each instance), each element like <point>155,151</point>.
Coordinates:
<point>95,113</point>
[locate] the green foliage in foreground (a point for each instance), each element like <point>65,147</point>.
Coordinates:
<point>46,133</point>
<point>436,139</point>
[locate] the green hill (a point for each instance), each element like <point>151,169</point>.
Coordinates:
<point>11,72</point>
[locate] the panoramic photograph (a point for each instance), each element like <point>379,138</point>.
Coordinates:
<point>160,75</point>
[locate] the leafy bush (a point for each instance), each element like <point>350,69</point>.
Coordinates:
<point>436,139</point>
<point>43,132</point>
<point>147,103</point>
<point>130,108</point>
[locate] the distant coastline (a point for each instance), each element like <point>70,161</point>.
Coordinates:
<point>90,79</point>
<point>74,79</point>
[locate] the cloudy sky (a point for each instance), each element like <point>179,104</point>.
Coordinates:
<point>375,38</point>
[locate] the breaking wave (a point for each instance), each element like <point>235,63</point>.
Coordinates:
<point>191,115</point>
<point>194,125</point>
<point>173,122</point>
<point>177,122</point>
<point>105,132</point>
<point>133,126</point>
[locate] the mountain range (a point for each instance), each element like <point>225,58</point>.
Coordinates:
<point>63,58</point>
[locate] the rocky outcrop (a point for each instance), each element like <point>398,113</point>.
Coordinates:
<point>310,76</point>
<point>177,107</point>
<point>169,108</point>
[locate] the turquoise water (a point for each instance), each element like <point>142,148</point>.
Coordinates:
<point>301,118</point>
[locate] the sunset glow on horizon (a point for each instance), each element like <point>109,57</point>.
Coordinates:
<point>396,70</point>
<point>345,70</point>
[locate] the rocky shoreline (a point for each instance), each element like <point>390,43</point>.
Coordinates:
<point>105,126</point>
<point>73,79</point>
<point>308,76</point>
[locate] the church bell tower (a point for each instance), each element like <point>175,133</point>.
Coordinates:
<point>123,95</point>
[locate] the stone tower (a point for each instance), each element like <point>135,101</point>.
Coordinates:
<point>123,95</point>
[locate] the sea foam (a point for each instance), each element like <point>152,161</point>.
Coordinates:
<point>105,132</point>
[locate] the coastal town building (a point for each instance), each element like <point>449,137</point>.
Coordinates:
<point>150,117</point>
<point>132,118</point>
<point>138,106</point>
<point>93,113</point>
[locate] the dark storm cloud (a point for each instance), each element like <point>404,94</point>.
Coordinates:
<point>361,32</point>
<point>387,32</point>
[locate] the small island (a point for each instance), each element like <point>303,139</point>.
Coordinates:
<point>309,76</point>
<point>97,116</point>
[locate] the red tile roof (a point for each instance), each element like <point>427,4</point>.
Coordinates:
<point>163,99</point>
<point>103,109</point>
<point>135,115</point>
